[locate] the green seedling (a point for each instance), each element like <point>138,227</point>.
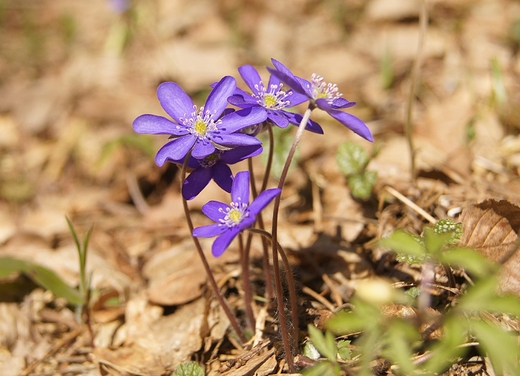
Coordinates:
<point>352,161</point>
<point>40,275</point>
<point>324,344</point>
<point>189,369</point>
<point>400,341</point>
<point>82,309</point>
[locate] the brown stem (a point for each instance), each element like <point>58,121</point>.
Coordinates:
<point>290,280</point>
<point>246,280</point>
<point>211,278</point>
<point>265,180</point>
<point>274,232</point>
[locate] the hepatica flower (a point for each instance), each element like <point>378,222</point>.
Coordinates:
<point>199,130</point>
<point>233,218</point>
<point>272,98</point>
<point>215,166</point>
<point>325,96</point>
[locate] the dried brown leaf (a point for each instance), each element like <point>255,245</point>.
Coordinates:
<point>175,275</point>
<point>171,338</point>
<point>133,359</point>
<point>491,227</point>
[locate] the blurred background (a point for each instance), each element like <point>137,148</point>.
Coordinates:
<point>75,74</point>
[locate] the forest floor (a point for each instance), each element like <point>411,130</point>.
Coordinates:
<point>73,77</point>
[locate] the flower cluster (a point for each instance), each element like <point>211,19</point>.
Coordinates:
<point>237,216</point>
<point>209,138</point>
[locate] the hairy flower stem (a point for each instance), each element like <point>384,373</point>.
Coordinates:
<point>211,278</point>
<point>246,280</point>
<point>276,265</point>
<point>290,280</point>
<point>265,260</point>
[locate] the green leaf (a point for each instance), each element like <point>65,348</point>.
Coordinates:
<point>403,242</point>
<point>445,352</point>
<point>346,323</point>
<point>343,349</point>
<point>413,292</point>
<point>44,277</point>
<point>468,259</point>
<point>398,346</point>
<point>386,70</point>
<point>508,304</point>
<point>364,317</point>
<point>448,225</point>
<point>435,242</point>
<point>500,345</point>
<point>309,350</point>
<point>189,369</point>
<point>483,296</point>
<point>325,344</point>
<point>351,158</point>
<point>361,184</point>
<point>82,248</point>
<point>322,368</point>
<point>499,92</point>
<point>283,139</point>
<point>479,296</point>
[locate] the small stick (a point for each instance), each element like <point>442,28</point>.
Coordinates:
<point>63,342</point>
<point>410,204</point>
<point>319,298</point>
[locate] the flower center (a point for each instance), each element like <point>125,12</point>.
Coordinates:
<point>321,89</point>
<point>200,122</point>
<point>234,214</point>
<point>210,160</point>
<point>200,127</point>
<point>273,98</point>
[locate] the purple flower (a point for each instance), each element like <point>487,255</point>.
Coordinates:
<point>233,218</point>
<point>215,166</point>
<point>199,130</point>
<point>324,96</point>
<point>271,98</point>
<point>119,6</point>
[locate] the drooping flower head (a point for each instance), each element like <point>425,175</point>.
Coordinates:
<point>233,218</point>
<point>199,130</point>
<point>273,98</point>
<point>215,166</point>
<point>323,95</point>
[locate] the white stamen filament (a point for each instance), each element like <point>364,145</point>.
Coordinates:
<point>272,99</point>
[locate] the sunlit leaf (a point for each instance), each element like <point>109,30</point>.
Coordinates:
<point>325,344</point>
<point>309,350</point>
